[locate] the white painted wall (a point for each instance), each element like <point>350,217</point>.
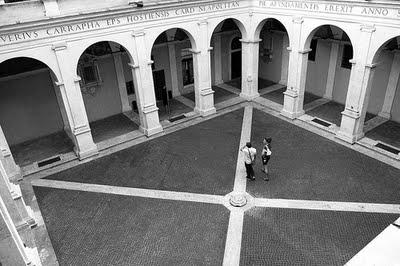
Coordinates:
<point>29,108</point>
<point>272,70</point>
<point>106,102</point>
<point>317,71</point>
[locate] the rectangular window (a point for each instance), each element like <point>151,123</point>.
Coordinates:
<point>313,47</point>
<point>89,74</point>
<point>346,56</point>
<point>187,71</point>
<point>130,89</point>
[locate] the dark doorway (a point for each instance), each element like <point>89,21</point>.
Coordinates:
<point>236,64</point>
<point>159,83</point>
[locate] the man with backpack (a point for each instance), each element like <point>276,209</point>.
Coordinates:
<point>249,158</point>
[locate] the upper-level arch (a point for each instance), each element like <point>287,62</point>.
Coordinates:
<point>381,37</point>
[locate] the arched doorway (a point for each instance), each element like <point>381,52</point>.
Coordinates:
<point>328,73</point>
<point>384,99</point>
<point>173,74</point>
<point>273,60</point>
<point>31,111</point>
<point>226,60</point>
<point>108,90</point>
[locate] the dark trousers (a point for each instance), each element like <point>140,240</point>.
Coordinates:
<point>249,170</point>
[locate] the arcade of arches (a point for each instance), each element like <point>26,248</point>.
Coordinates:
<point>69,99</point>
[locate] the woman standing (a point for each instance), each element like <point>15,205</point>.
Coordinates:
<point>265,156</point>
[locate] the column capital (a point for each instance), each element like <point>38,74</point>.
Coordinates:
<point>298,20</point>
<point>193,51</point>
<point>305,51</point>
<point>250,41</point>
<point>59,46</point>
<point>370,28</point>
<point>133,66</point>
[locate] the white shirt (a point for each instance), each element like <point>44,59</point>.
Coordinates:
<point>246,151</point>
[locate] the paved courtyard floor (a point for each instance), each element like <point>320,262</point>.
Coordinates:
<point>165,201</point>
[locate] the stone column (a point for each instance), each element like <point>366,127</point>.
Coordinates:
<point>16,194</point>
<point>285,60</point>
<point>333,58</point>
<point>173,69</point>
<point>202,73</point>
<point>391,86</point>
<point>250,51</point>
<point>12,169</point>
<point>217,59</point>
<point>119,70</point>
<point>73,102</point>
<point>351,127</point>
<point>297,72</point>
<point>145,94</point>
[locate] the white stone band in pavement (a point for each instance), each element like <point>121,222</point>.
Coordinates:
<point>240,180</point>
<point>327,205</point>
<point>127,191</point>
<point>234,238</point>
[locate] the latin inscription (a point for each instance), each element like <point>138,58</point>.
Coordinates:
<point>333,8</point>
<point>123,20</point>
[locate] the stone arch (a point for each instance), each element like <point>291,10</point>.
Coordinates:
<point>51,66</point>
<point>310,34</point>
<point>157,32</point>
<point>260,25</point>
<point>82,48</point>
<point>238,22</point>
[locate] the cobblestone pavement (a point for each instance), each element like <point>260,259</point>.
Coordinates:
<point>309,167</point>
<point>166,201</point>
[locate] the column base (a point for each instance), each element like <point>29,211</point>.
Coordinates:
<point>249,97</point>
<point>151,131</point>
<point>16,176</point>
<point>385,115</point>
<point>351,139</point>
<point>292,115</point>
<point>206,112</point>
<point>86,153</point>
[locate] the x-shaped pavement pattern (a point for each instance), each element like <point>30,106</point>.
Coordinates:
<point>169,201</point>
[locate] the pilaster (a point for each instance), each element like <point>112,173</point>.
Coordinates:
<point>391,86</point>
<point>202,76</point>
<point>333,59</point>
<point>119,71</point>
<point>51,8</point>
<point>250,57</point>
<point>173,69</point>
<point>218,58</point>
<point>150,122</point>
<point>73,102</point>
<point>285,60</point>
<point>351,127</point>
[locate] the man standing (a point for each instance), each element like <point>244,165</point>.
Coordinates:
<point>249,158</point>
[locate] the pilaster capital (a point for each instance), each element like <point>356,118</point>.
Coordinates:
<point>250,41</point>
<point>370,28</point>
<point>372,65</point>
<point>150,62</point>
<point>352,61</point>
<point>59,46</point>
<point>77,79</point>
<point>298,20</point>
<point>289,48</point>
<point>138,33</point>
<point>203,22</point>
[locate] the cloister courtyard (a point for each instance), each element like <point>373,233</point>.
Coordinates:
<point>166,200</point>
